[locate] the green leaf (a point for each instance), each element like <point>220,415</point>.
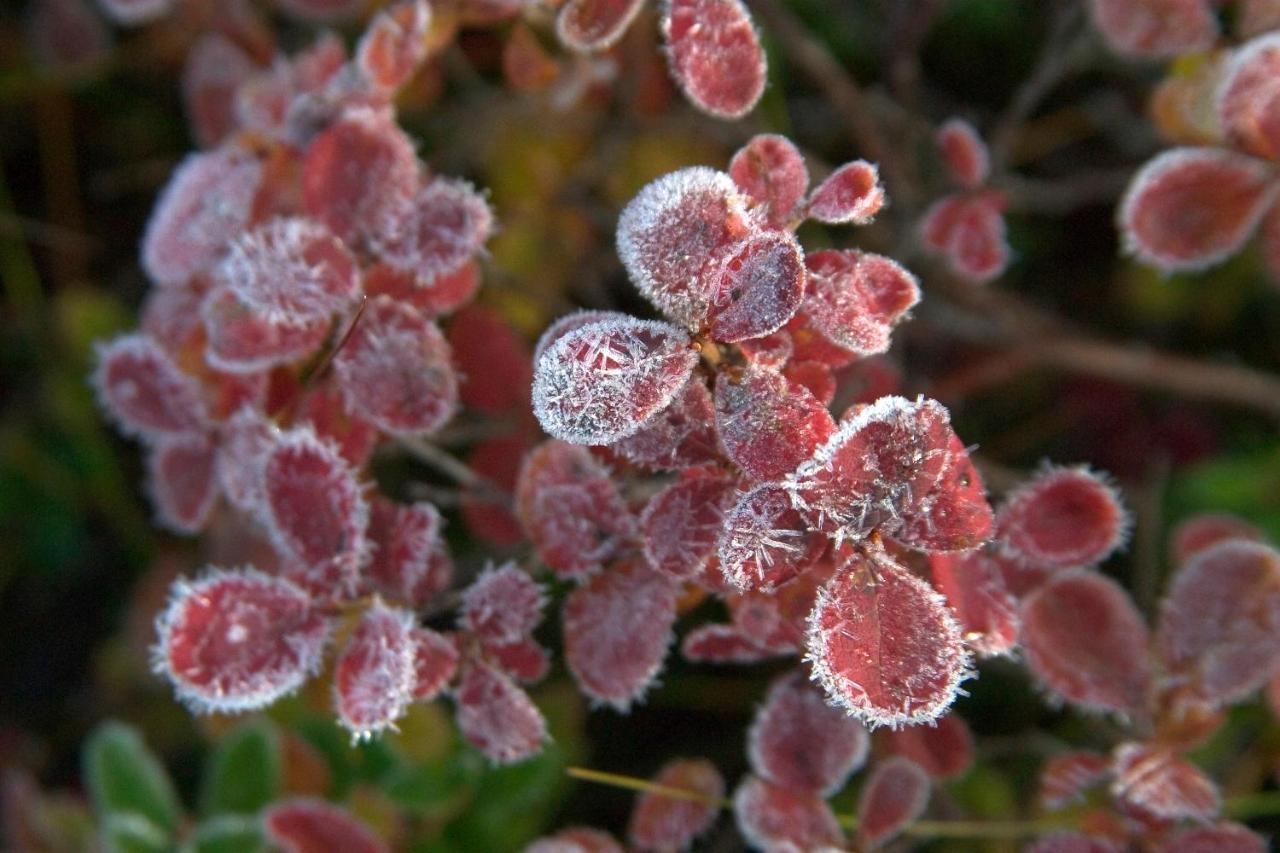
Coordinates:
<point>132,833</point>
<point>243,774</point>
<point>228,834</point>
<point>124,778</point>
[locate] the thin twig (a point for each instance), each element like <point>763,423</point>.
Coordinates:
<point>429,454</point>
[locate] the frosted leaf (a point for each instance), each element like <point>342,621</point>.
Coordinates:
<point>856,298</point>
<point>602,382</point>
<point>1248,98</point>
<point>1215,838</point>
<point>1156,781</point>
<point>1063,517</point>
<point>894,797</point>
<point>1155,28</point>
<point>974,587</point>
<point>771,352</point>
<point>571,322</point>
<point>496,716</point>
<point>966,156</point>
<point>323,407</point>
<point>884,645</point>
<point>680,436</point>
<point>215,68</point>
<point>237,640</point>
<point>760,286</point>
<point>814,377</point>
<point>395,370</point>
<point>765,542</point>
<point>681,524</point>
<point>171,315</point>
<point>375,676</point>
<point>245,440</point>
<point>808,344</point>
<point>1191,208</point>
<point>799,742</point>
<point>1086,641</point>
<point>486,346</point>
<point>1195,534</point>
<point>241,341</point>
<point>410,561</point>
<point>881,465</point>
<point>576,839</point>
<point>969,232</point>
<point>588,26</point>
<point>852,194</point>
<point>944,750</point>
<point>523,660</point>
<point>715,55</point>
<point>306,825</point>
<point>571,509</point>
<point>1066,777</point>
<point>132,13</point>
<point>673,234</point>
<point>208,201</point>
<point>394,46</point>
<point>665,823</point>
<point>436,233</point>
<point>143,390</point>
<point>180,480</point>
<point>768,426</point>
<point>1219,625</point>
<point>356,172</point>
<point>291,271</point>
<point>617,627</point>
<point>778,620</point>
<point>774,818</point>
<point>503,605</point>
<point>721,644</point>
<point>771,170</point>
<point>447,294</point>
<point>435,660</point>
<point>315,512</point>
<point>954,515</point>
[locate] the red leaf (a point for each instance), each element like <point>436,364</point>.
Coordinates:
<point>801,743</point>
<point>667,823</point>
<point>435,662</point>
<point>1202,531</point>
<point>715,55</point>
<point>760,286</point>
<point>768,426</point>
<point>245,440</point>
<point>964,152</point>
<point>885,646</point>
<point>974,587</point>
<point>485,346</point>
<point>680,436</point>
<point>1086,641</point>
<point>180,479</point>
<point>765,542</point>
<point>856,298</point>
<point>1155,28</point>
<point>1073,842</point>
<point>722,644</point>
<point>143,389</point>
<point>770,817</point>
<point>375,676</point>
<point>241,341</point>
<point>215,68</point>
<point>502,605</point>
<point>1190,208</point>
<point>681,525</point>
<point>969,231</point>
<point>1216,838</point>
<point>1063,517</point>
<point>314,826</point>
<point>894,797</point>
<point>944,750</point>
<point>1161,784</point>
<point>496,716</point>
<point>588,26</point>
<point>434,234</point>
<point>238,640</point>
<point>815,377</point>
<point>850,194</point>
<point>523,660</point>
<point>771,170</point>
<point>394,46</point>
<point>1066,777</point>
<point>576,839</point>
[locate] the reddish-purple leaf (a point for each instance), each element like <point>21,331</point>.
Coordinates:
<point>856,298</point>
<point>766,542</point>
<point>771,170</point>
<point>207,202</point>
<point>503,605</point>
<point>1156,781</point>
<point>571,509</point>
<point>215,68</point>
<point>395,370</point>
<point>1215,838</point>
<point>1190,208</point>
<point>809,344</point>
<point>1219,626</point>
<point>893,798</point>
<point>680,436</point>
<point>523,660</point>
<point>1087,642</point>
<point>768,426</point>
<point>1205,530</point>
<point>1155,28</point>
<point>617,627</point>
<point>291,271</point>
<point>974,587</point>
<point>722,644</point>
<point>143,389</point>
<point>571,322</point>
<point>673,235</point>
<point>815,377</point>
<point>394,46</point>
<point>1248,99</point>
<point>851,194</point>
<point>1066,777</point>
<point>1063,517</point>
<point>665,823</point>
<point>496,716</point>
<point>409,562</point>
<point>944,750</point>
<point>245,439</point>
<point>241,341</point>
<point>238,640</point>
<point>180,479</point>
<point>588,26</point>
<point>964,153</point>
<point>435,660</point>
<point>771,352</point>
<point>714,54</point>
<point>316,513</point>
<point>760,286</point>
<point>969,232</point>
<point>444,226</point>
<point>375,676</point>
<point>885,646</point>
<point>602,382</point>
<point>771,817</point>
<point>681,525</point>
<point>801,743</point>
<point>307,825</point>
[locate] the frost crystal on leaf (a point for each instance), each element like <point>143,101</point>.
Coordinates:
<point>503,605</point>
<point>856,298</point>
<point>894,797</point>
<point>715,55</point>
<point>435,234</point>
<point>767,425</point>
<point>761,285</point>
<point>771,817</point>
<point>681,525</point>
<point>394,45</point>
<point>374,678</point>
<point>496,716</point>
<point>771,170</point>
<point>602,382</point>
<point>1155,28</point>
<point>588,26</point>
<point>851,194</point>
<point>666,823</point>
<point>140,386</point>
<point>765,542</point>
<point>409,560</point>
